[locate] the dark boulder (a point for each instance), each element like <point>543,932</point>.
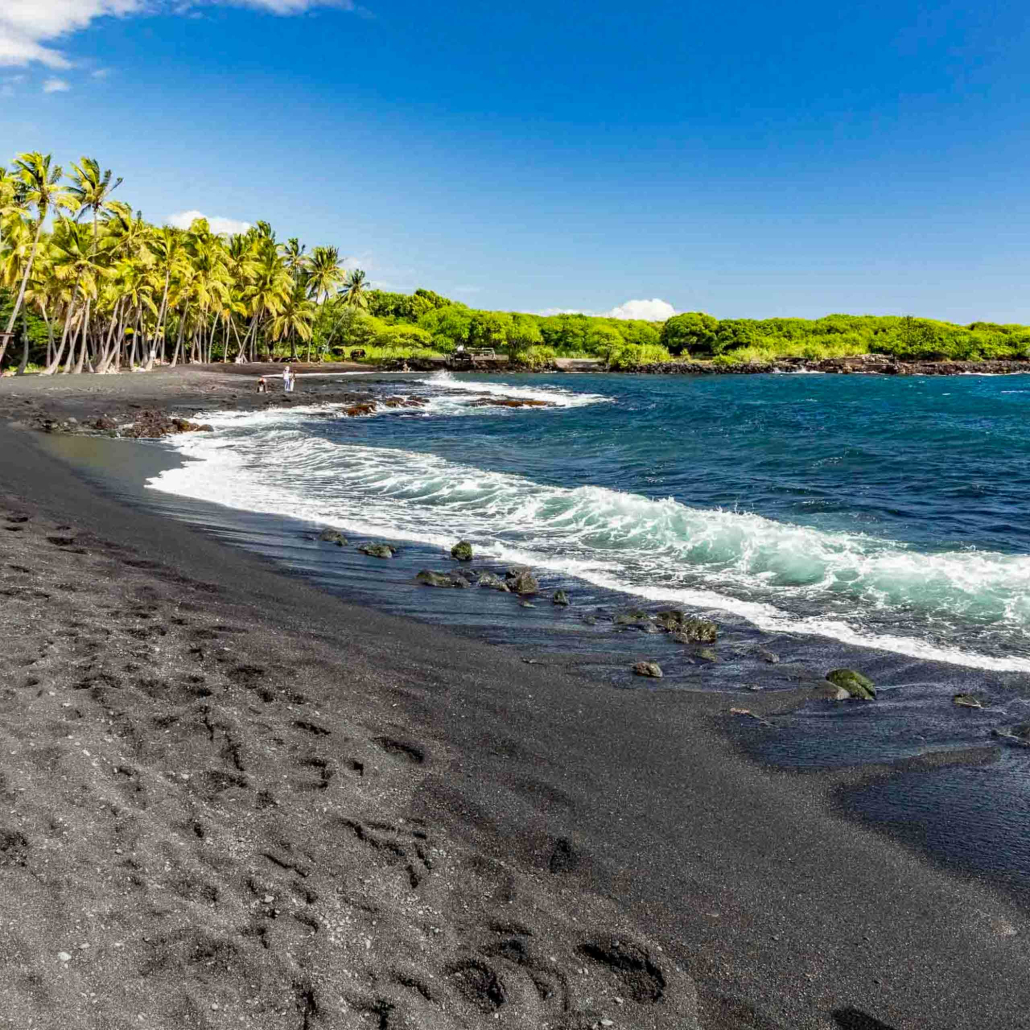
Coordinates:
<point>462,551</point>
<point>858,686</point>
<point>429,578</point>
<point>561,599</point>
<point>333,536</point>
<point>378,550</point>
<point>492,582</point>
<point>522,581</point>
<point>651,669</point>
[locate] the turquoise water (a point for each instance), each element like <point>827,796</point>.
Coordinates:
<point>886,512</point>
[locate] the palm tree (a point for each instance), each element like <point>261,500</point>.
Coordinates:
<point>354,290</point>
<point>295,320</point>
<point>294,258</point>
<point>91,190</point>
<point>324,274</point>
<point>167,247</point>
<point>38,187</point>
<point>267,290</point>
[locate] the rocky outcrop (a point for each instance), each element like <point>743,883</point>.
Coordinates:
<point>857,686</point>
<point>333,536</point>
<point>867,364</point>
<point>462,551</point>
<point>561,599</point>
<point>509,402</point>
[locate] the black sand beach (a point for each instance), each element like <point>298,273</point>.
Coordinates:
<point>231,800</point>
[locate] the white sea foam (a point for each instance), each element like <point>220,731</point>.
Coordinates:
<point>780,577</point>
<point>555,395</point>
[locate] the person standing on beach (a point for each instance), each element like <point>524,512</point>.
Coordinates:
<point>286,379</point>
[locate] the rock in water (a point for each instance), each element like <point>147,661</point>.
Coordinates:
<point>634,617</point>
<point>828,691</point>
<point>429,578</point>
<point>652,669</point>
<point>523,582</point>
<point>332,536</point>
<point>858,686</point>
<point>462,551</point>
<point>488,579</point>
<point>706,654</point>
<point>700,631</point>
<point>967,701</point>
<point>561,599</point>
<point>769,656</point>
<point>378,550</point>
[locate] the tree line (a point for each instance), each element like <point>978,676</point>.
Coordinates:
<point>105,289</point>
<point>86,283</point>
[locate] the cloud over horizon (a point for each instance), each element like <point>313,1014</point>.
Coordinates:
<point>218,224</point>
<point>654,310</point>
<point>28,26</point>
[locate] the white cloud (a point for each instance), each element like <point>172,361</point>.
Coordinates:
<point>649,310</point>
<point>55,86</point>
<point>184,219</point>
<point>27,27</point>
<point>101,73</point>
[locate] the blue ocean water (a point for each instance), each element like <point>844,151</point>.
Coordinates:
<point>888,512</point>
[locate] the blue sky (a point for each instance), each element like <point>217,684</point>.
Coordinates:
<point>745,159</point>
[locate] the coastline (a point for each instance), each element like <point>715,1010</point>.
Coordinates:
<point>587,804</point>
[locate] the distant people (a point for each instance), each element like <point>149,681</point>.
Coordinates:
<point>262,385</point>
<point>287,379</point>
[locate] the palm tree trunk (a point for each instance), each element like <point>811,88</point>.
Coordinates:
<point>178,342</point>
<point>21,291</point>
<point>84,339</point>
<point>68,319</point>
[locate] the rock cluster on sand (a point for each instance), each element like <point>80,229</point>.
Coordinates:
<point>146,425</point>
<point>493,582</point>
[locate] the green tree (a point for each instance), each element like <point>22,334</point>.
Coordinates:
<point>38,186</point>
<point>355,290</point>
<point>693,332</point>
<point>521,333</point>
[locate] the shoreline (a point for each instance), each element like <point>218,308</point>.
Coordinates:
<point>577,800</point>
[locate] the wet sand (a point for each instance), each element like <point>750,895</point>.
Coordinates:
<point>241,792</point>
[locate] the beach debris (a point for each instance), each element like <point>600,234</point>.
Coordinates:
<point>858,686</point>
<point>561,599</point>
<point>428,578</point>
<point>378,550</point>
<point>492,582</point>
<point>967,701</point>
<point>522,581</point>
<point>462,551</point>
<point>333,536</point>
<point>768,656</point>
<point>651,669</point>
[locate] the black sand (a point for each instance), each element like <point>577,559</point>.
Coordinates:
<point>448,837</point>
